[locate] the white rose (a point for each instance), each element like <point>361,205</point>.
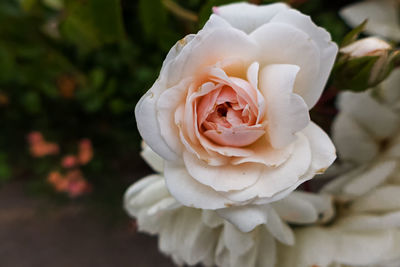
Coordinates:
<point>367,135</point>
<point>367,232</point>
<point>194,236</point>
<point>229,111</point>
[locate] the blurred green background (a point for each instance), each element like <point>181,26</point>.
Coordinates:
<point>74,69</point>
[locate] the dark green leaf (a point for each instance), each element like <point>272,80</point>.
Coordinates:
<point>353,34</point>
<point>91,23</point>
<point>153,17</point>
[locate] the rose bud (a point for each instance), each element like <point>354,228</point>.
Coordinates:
<point>364,64</point>
<point>371,46</point>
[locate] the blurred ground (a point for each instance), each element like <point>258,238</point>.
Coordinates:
<point>35,232</point>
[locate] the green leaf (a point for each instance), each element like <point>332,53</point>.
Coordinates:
<point>7,65</point>
<point>92,23</point>
<point>353,34</point>
<point>117,106</point>
<point>97,77</point>
<point>5,171</point>
<point>354,74</point>
<point>27,5</point>
<point>153,17</point>
<point>54,4</point>
<point>31,102</point>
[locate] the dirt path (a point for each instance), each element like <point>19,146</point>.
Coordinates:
<point>35,234</point>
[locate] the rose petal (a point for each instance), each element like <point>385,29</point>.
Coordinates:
<point>238,14</point>
<point>367,222</point>
<point>328,51</point>
<point>185,235</point>
<point>236,136</point>
<point>265,154</point>
<point>167,104</point>
<point>212,46</point>
<point>370,178</point>
<point>152,158</point>
<point>252,77</point>
<point>287,113</point>
<point>322,149</point>
<point>222,178</point>
<point>273,180</point>
<point>267,249</point>
<point>245,218</point>
<point>373,116</point>
<point>189,192</point>
<point>295,210</point>
<point>272,37</point>
<point>354,144</point>
<point>385,198</point>
<point>147,123</point>
<point>279,229</point>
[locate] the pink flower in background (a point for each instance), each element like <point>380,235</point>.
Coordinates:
<point>57,181</point>
<point>72,183</point>
<point>39,147</point>
<point>77,185</point>
<point>85,151</point>
<point>78,188</point>
<point>69,161</point>
<point>35,137</point>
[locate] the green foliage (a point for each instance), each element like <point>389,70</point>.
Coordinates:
<point>5,171</point>
<point>354,34</point>
<point>91,23</point>
<point>153,17</point>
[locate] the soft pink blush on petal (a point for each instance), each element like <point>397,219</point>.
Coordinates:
<point>226,114</point>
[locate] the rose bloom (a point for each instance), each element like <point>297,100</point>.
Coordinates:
<point>229,111</point>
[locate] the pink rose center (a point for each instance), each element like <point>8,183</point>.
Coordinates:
<point>228,114</point>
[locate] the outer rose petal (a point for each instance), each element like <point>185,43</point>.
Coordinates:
<point>239,14</point>
<point>185,235</point>
<point>328,51</point>
<point>273,36</point>
<point>147,123</point>
<point>222,178</point>
<point>381,14</point>
<point>322,149</point>
<point>189,192</point>
<point>152,158</point>
<point>370,178</point>
<point>287,113</point>
<point>375,117</point>
<point>167,103</point>
<point>246,218</point>
<point>295,210</point>
<point>382,199</point>
<point>265,154</point>
<point>209,47</point>
<point>353,143</point>
<point>274,180</point>
<point>278,228</point>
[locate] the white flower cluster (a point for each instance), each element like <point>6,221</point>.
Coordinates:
<point>194,236</point>
<point>353,221</point>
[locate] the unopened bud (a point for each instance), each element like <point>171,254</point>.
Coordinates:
<point>371,46</point>
<point>364,63</point>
